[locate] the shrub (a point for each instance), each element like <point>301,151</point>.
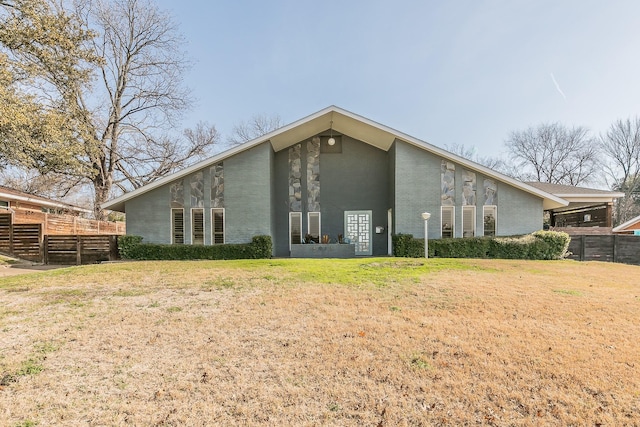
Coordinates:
<point>126,243</point>
<point>260,247</point>
<point>404,245</point>
<point>539,245</point>
<point>557,244</point>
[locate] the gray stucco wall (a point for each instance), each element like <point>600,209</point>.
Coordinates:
<point>356,179</point>
<point>247,202</point>
<point>362,177</point>
<point>417,189</point>
<point>518,212</point>
<point>149,216</point>
<point>247,194</point>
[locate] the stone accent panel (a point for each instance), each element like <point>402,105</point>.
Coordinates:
<point>295,179</point>
<point>177,194</point>
<point>490,192</point>
<point>313,175</point>
<point>448,183</point>
<point>217,185</point>
<point>468,188</point>
<point>197,190</point>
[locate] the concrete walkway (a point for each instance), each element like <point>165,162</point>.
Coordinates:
<point>25,268</point>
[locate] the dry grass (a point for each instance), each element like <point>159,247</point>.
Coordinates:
<point>376,342</point>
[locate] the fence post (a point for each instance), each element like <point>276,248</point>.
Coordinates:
<point>582,245</point>
<point>78,250</point>
<point>11,236</point>
<point>113,248</point>
<point>45,249</point>
<point>615,248</point>
<point>41,236</point>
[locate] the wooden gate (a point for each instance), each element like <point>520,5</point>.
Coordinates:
<point>20,240</point>
<point>26,241</point>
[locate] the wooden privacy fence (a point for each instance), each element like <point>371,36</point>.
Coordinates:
<point>611,248</point>
<point>27,241</point>
<point>69,250</point>
<point>20,240</point>
<point>67,224</point>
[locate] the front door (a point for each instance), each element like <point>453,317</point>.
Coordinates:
<point>357,228</point>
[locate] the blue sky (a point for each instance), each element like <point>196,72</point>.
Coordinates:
<point>447,72</point>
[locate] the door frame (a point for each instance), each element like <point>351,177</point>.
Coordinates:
<point>369,213</point>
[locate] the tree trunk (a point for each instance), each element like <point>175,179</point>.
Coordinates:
<point>101,189</point>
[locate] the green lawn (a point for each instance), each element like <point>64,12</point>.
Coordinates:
<point>374,341</point>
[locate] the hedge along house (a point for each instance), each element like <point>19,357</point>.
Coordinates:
<point>332,173</point>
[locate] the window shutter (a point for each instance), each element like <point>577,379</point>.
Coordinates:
<point>218,226</point>
<point>198,226</point>
<point>178,226</point>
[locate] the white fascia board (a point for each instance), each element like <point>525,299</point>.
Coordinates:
<point>550,201</point>
<point>621,227</point>
<point>590,197</point>
<point>118,202</point>
<point>50,204</point>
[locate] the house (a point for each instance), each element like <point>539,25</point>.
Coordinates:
<point>24,203</point>
<point>332,173</point>
<point>630,227</point>
<point>588,207</point>
<point>55,217</point>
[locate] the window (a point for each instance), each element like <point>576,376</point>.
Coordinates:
<point>468,221</point>
<point>4,204</point>
<point>217,226</point>
<point>489,215</point>
<point>447,221</point>
<point>295,228</point>
<point>177,226</point>
<point>197,226</point>
<point>313,226</point>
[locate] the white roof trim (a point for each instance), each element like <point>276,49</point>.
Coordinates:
<point>590,196</point>
<point>621,227</point>
<point>41,202</point>
<point>550,201</point>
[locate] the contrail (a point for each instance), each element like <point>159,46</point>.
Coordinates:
<point>558,86</point>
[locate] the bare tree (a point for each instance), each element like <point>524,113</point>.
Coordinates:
<point>621,144</point>
<point>31,181</point>
<point>123,126</point>
<point>553,153</point>
<point>495,163</point>
<point>142,84</point>
<point>255,127</point>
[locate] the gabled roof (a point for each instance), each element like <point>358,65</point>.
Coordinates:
<point>578,194</point>
<point>341,122</point>
<point>626,225</point>
<point>7,193</point>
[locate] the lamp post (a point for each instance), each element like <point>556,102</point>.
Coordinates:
<point>426,216</point>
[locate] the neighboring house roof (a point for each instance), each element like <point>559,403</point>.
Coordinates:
<point>578,194</point>
<point>7,193</point>
<point>629,225</point>
<point>341,122</point>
